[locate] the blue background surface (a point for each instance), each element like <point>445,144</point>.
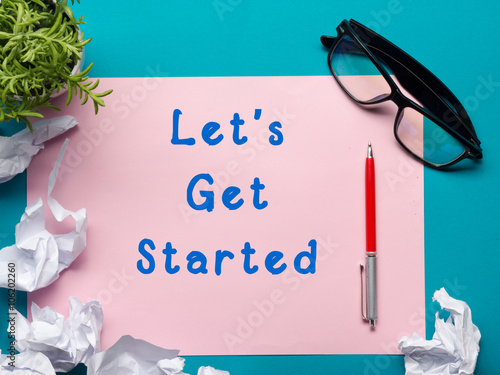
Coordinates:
<point>457,41</point>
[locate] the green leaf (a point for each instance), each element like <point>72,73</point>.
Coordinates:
<point>39,2</point>
<point>28,123</point>
<point>99,101</point>
<point>87,70</point>
<point>12,89</point>
<point>50,106</point>
<point>70,95</point>
<point>53,52</point>
<point>105,93</point>
<point>93,86</point>
<point>86,98</point>
<point>27,113</point>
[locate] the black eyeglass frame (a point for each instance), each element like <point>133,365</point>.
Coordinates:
<point>415,79</point>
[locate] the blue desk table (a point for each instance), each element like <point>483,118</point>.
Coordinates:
<point>458,41</point>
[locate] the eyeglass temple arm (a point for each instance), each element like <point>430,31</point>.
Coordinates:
<point>328,41</point>
<point>418,89</point>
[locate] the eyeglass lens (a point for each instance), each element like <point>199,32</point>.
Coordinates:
<point>357,73</point>
<point>364,82</point>
<point>427,140</point>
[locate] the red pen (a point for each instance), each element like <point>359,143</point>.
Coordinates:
<point>371,248</point>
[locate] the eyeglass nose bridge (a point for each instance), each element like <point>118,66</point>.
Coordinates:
<point>398,98</point>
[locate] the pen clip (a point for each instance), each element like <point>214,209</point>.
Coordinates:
<point>361,268</point>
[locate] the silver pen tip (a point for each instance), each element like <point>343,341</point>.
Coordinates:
<point>370,152</point>
<point>372,323</point>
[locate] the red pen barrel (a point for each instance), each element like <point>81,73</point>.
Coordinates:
<point>370,205</point>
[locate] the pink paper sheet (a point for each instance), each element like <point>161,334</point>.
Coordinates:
<point>122,166</point>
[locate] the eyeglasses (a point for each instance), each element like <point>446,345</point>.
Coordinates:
<point>372,70</point>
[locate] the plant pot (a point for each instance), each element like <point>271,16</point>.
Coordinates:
<point>45,67</point>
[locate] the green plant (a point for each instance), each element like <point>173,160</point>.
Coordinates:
<point>40,43</point>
